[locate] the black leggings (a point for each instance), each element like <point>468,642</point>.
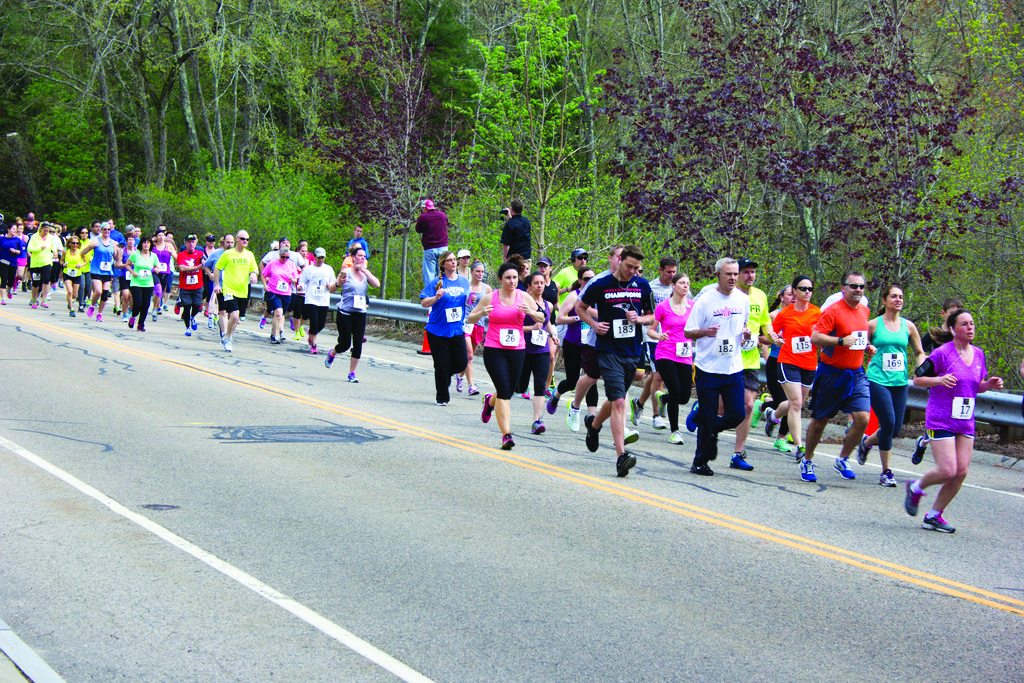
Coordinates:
<point>771,371</point>
<point>572,355</point>
<point>317,317</point>
<point>351,329</point>
<point>504,366</point>
<point>450,358</point>
<point>141,296</point>
<point>538,364</point>
<point>8,274</point>
<point>678,379</point>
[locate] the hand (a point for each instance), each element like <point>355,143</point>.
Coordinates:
<point>631,316</point>
<point>711,331</point>
<point>524,309</point>
<point>216,289</point>
<point>487,310</point>
<point>948,380</point>
<point>870,350</point>
<point>992,383</point>
<point>662,336</point>
<point>602,328</point>
<point>747,334</point>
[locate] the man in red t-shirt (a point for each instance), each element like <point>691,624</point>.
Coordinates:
<point>840,383</point>
<point>190,282</point>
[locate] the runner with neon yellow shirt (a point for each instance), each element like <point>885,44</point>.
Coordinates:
<point>235,270</point>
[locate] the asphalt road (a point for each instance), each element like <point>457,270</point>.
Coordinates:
<point>169,511</point>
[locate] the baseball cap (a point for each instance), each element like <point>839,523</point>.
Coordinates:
<point>746,263</point>
<point>463,252</point>
<point>428,204</point>
<point>190,236</point>
<point>543,261</point>
<point>577,253</point>
<point>210,237</point>
<point>320,251</point>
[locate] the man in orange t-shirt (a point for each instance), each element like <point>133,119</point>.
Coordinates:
<point>840,383</point>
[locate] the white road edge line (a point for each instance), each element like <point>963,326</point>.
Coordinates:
<point>25,658</point>
<point>317,621</point>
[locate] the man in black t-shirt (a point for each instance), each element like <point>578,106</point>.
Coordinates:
<point>515,236</point>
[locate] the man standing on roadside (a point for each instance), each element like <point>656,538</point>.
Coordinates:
<point>357,238</point>
<point>238,267</point>
<point>515,236</point>
<point>432,225</point>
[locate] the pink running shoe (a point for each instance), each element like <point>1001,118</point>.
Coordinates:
<point>99,319</point>
<point>485,414</point>
<point>90,311</point>
<point>313,350</point>
<point>44,304</point>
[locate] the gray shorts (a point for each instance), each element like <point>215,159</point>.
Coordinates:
<point>617,372</point>
<point>750,382</point>
<point>190,297</point>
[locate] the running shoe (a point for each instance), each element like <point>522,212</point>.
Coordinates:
<point>506,442</point>
<point>159,311</point>
<point>473,391</point>
<point>659,422</point>
<point>862,450</point>
<point>572,417</point>
<point>313,350</point>
<point>937,523</point>
<point>71,312</point>
<point>124,318</point>
<point>801,453</point>
<point>912,499</point>
<point>188,332</point>
<point>298,335</point>
<point>886,479</point>
<point>33,304</point>
<point>291,323</point>
<point>485,414</point>
<point>301,332</point>
<point>209,323</point>
<point>241,318</point>
<point>352,378</point>
<point>631,436</point>
<point>3,302</point>
<point>661,398</point>
<point>770,423</point>
<point>537,427</point>
<point>807,470</point>
<point>165,308</point>
<point>440,403</point>
<point>329,360</point>
<point>177,308</point>
<point>154,315</point>
<point>842,468</point>
<point>526,395</point>
<point>676,438</point>
<point>918,455</point>
<point>739,462</point>
<point>691,419</point>
<point>99,317</point>
<point>44,304</point>
<point>552,404</point>
<point>781,445</point>
<point>789,437</point>
<point>636,411</point>
<point>49,296</point>
<point>459,384</point>
<point>81,307</point>
<point>592,439</point>
<point>142,325</point>
<point>624,463</point>
<point>274,340</point>
<point>192,324</point>
<point>549,391</point>
<point>702,470</point>
<point>755,415</point>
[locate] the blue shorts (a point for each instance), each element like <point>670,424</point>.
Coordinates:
<point>834,390</point>
<point>276,301</point>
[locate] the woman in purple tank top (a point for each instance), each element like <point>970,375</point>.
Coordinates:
<point>955,373</point>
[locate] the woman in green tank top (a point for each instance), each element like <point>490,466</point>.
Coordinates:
<point>890,334</point>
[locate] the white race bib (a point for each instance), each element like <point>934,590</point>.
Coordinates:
<point>453,315</point>
<point>859,340</point>
<point>359,302</point>
<point>539,337</point>
<point>161,267</point>
<point>317,288</point>
<point>963,408</point>
<point>73,272</point>
<point>192,279</point>
<point>801,344</point>
<point>467,329</point>
<point>623,329</point>
<point>684,349</point>
<point>508,336</point>
<point>725,346</point>
<point>894,362</point>
<point>749,344</point>
<point>105,265</point>
<point>142,274</point>
<point>228,297</point>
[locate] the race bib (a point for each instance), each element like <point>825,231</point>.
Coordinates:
<point>192,279</point>
<point>161,267</point>
<point>359,302</point>
<point>725,346</point>
<point>508,336</point>
<point>801,344</point>
<point>859,340</point>
<point>453,315</point>
<point>228,297</point>
<point>963,408</point>
<point>539,337</point>
<point>105,265</point>
<point>748,344</point>
<point>73,272</point>
<point>467,329</point>
<point>317,289</point>
<point>623,329</point>
<point>142,274</point>
<point>894,362</point>
<point>683,349</point>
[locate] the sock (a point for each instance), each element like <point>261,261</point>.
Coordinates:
<point>915,486</point>
<point>934,513</point>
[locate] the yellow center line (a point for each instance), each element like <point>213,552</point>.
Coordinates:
<point>849,557</point>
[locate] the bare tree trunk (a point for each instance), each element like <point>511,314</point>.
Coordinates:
<point>20,160</point>
<point>248,144</point>
<point>405,264</point>
<point>113,163</point>
<point>385,264</point>
<point>186,101</point>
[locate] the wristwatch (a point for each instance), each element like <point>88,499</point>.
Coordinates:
<point>840,341</point>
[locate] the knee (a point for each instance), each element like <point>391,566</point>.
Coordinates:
<point>619,405</point>
<point>860,420</point>
<point>748,402</point>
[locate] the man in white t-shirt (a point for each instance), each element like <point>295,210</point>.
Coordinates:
<point>718,326</point>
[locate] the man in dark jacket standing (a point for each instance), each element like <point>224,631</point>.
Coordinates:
<point>515,236</point>
<point>433,228</point>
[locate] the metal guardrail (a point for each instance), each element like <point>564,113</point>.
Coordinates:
<point>407,311</point>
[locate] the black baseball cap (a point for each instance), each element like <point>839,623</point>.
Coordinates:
<point>577,253</point>
<point>746,263</point>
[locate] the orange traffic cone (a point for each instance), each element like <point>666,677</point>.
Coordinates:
<point>872,425</point>
<point>425,351</point>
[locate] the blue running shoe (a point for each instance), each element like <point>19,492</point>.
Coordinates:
<point>691,419</point>
<point>842,468</point>
<point>807,471</point>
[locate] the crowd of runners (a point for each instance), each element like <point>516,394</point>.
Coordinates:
<point>609,323</point>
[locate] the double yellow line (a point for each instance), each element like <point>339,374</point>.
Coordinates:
<point>849,557</point>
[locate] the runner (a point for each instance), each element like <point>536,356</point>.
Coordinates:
<point>573,346</point>
<point>540,338</point>
<point>351,319</point>
<point>73,266</point>
<point>41,250</point>
<point>955,373</point>
<point>210,246</point>
<point>718,326</point>
<point>771,370</point>
<point>278,276</point>
<point>549,294</point>
<point>623,301</point>
<point>673,355</point>
<point>23,275</point>
<point>11,248</point>
<point>104,254</point>
<point>798,361</point>
<point>121,282</point>
<point>317,281</point>
<point>298,299</point>
<point>463,258</point>
<point>504,345</point>
<point>140,266</point>
<point>661,289</point>
<point>887,377</point>
<point>445,295</point>
<point>165,253</point>
<point>567,277</point>
<point>209,271</point>
<point>474,332</point>
<point>235,270</point>
<point>58,232</point>
<point>949,304</point>
<point>190,283</point>
<point>840,382</point>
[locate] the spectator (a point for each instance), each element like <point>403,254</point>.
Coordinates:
<point>567,277</point>
<point>432,225</point>
<point>515,236</point>
<point>357,238</point>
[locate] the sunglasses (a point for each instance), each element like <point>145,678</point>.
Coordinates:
<point>242,239</point>
<point>806,289</point>
<point>587,279</point>
<point>855,286</point>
